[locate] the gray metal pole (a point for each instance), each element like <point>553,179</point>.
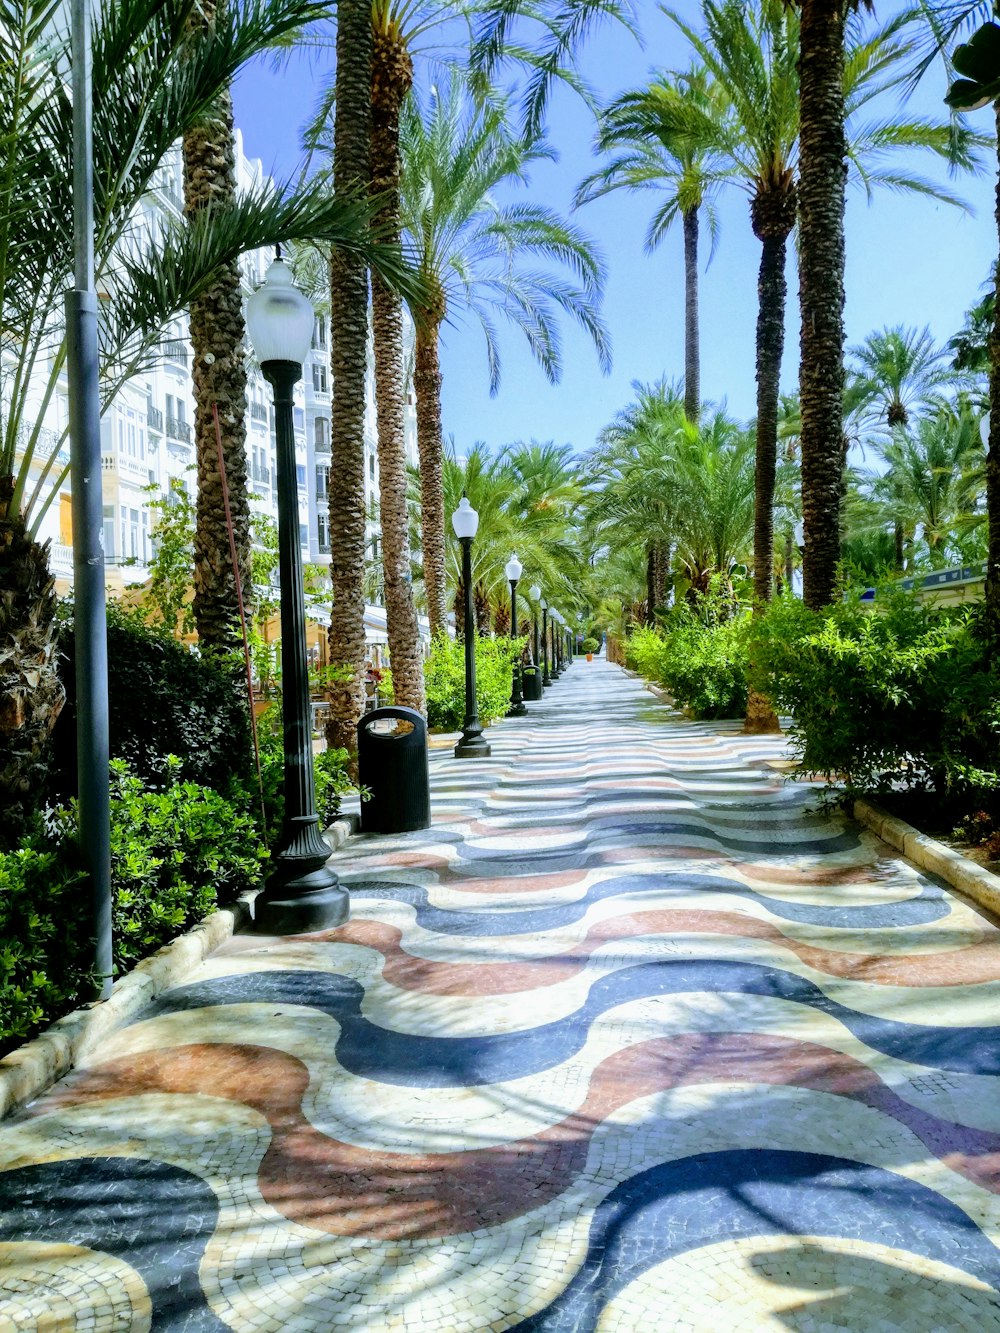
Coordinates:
<point>90,618</point>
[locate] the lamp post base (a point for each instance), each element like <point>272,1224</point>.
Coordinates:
<point>517,710</point>
<point>472,747</point>
<point>303,892</point>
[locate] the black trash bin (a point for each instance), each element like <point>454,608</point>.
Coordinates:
<point>531,683</point>
<point>392,765</point>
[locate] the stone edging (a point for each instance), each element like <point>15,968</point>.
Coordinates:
<point>30,1069</point>
<point>970,878</point>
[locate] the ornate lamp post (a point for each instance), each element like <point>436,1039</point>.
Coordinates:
<point>465,521</point>
<point>535,592</point>
<point>513,569</point>
<point>302,892</point>
<point>546,678</point>
<point>554,617</point>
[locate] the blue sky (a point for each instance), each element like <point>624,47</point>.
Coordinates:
<point>910,260</point>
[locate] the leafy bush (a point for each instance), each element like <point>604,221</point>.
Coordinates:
<point>330,772</point>
<point>904,695</point>
<point>176,853</point>
<point>700,659</point>
<point>444,676</point>
<point>590,645</point>
<point>43,968</point>
<point>164,700</point>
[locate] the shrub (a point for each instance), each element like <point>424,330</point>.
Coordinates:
<point>902,695</point>
<point>330,772</point>
<point>590,645</point>
<point>700,659</point>
<point>176,853</point>
<point>444,676</point>
<point>164,700</point>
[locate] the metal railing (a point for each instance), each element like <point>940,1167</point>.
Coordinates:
<point>154,418</point>
<point>178,429</point>
<point>175,350</point>
<point>258,412</point>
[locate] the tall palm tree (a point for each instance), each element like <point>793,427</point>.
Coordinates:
<point>897,371</point>
<point>473,256</point>
<point>685,175</point>
<point>392,77</point>
<point>154,79</point>
<point>714,468</point>
<point>349,364</point>
<point>219,374</point>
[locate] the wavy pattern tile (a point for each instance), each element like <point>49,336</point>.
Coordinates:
<point>631,1028</point>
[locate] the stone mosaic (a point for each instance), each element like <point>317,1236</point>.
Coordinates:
<point>632,1036</point>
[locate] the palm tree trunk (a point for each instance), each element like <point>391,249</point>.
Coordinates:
<point>348,357</point>
<point>651,584</point>
<point>771,293</point>
<point>898,545</point>
<point>219,374</point>
<point>661,568</point>
<point>692,351</point>
<point>427,386</point>
<point>992,594</point>
<point>789,558</point>
<point>31,693</point>
<point>392,74</point>
<point>822,177</point>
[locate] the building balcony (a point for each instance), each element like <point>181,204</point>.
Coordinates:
<point>176,351</point>
<point>258,412</point>
<point>154,418</point>
<point>178,429</point>
<point>260,474</point>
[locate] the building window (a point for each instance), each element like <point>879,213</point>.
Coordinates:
<point>371,466</point>
<point>319,332</point>
<point>320,381</point>
<point>322,483</point>
<point>109,532</point>
<point>321,429</point>
<point>323,532</point>
<point>300,476</point>
<point>303,535</point>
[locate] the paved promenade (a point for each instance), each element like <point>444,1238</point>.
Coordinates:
<point>631,1039</point>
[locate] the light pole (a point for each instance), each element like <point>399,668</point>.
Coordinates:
<point>513,570</point>
<point>546,678</point>
<point>302,892</point>
<point>554,671</point>
<point>465,521</point>
<point>534,592</point>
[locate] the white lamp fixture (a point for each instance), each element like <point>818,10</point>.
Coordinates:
<point>465,520</point>
<point>544,604</point>
<point>513,569</point>
<point>534,592</point>
<point>280,318</point>
<point>984,429</point>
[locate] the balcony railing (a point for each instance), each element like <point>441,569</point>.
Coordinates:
<point>176,351</point>
<point>154,418</point>
<point>261,474</point>
<point>178,429</point>
<point>323,547</point>
<point>258,412</point>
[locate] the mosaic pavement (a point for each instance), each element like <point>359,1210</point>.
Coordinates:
<point>632,1037</point>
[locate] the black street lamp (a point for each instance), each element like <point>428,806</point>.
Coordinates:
<point>555,672</point>
<point>535,592</point>
<point>546,678</point>
<point>465,521</point>
<point>513,570</point>
<point>302,892</point>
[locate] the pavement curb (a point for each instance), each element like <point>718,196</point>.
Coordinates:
<point>29,1069</point>
<point>968,877</point>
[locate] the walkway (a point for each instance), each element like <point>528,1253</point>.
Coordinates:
<point>630,1040</point>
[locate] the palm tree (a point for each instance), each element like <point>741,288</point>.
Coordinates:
<point>897,371</point>
<point>154,79</point>
<point>715,478</point>
<point>392,77</point>
<point>472,254</point>
<point>349,363</point>
<point>217,342</point>
<point>686,176</point>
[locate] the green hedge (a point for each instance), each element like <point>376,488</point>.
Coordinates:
<point>901,696</point>
<point>444,677</point>
<point>702,665</point>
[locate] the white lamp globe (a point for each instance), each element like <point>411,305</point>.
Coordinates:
<point>534,592</point>
<point>280,318</point>
<point>544,604</point>
<point>465,520</point>
<point>984,429</point>
<point>513,569</point>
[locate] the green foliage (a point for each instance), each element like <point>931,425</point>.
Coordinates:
<point>444,676</point>
<point>699,655</point>
<point>590,645</point>
<point>169,594</point>
<point>164,700</point>
<point>43,971</point>
<point>905,696</point>
<point>176,852</point>
<point>329,772</point>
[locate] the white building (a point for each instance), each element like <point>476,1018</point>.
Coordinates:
<point>148,437</point>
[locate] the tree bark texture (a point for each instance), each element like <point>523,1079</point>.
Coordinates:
<point>219,375</point>
<point>31,693</point>
<point>773,216</point>
<point>822,178</point>
<point>661,572</point>
<point>427,387</point>
<point>348,363</point>
<point>392,75</point>
<point>651,584</point>
<point>993,462</point>
<point>692,346</point>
